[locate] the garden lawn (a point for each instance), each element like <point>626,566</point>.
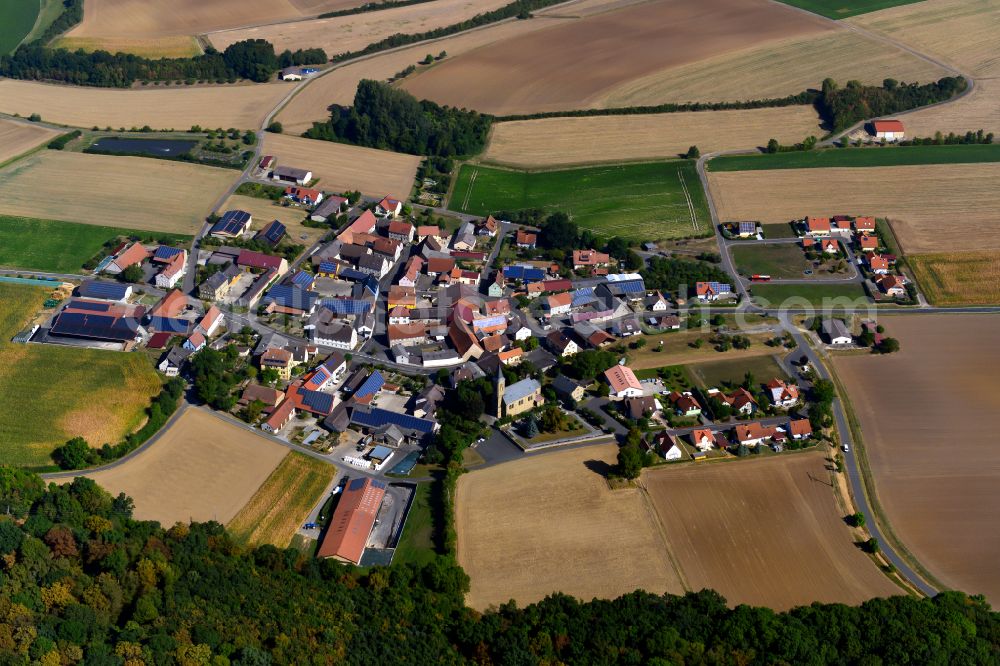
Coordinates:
<point>860,157</point>
<point>60,247</point>
<point>648,201</point>
<point>779,230</point>
<point>716,374</point>
<point>780,261</point>
<point>815,294</point>
<point>17,18</point>
<point>416,545</point>
<point>52,394</point>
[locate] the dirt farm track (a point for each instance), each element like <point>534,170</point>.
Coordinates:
<point>766,532</point>
<point>937,475</point>
<point>202,468</point>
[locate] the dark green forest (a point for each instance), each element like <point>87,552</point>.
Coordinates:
<point>390,119</point>
<point>82,582</point>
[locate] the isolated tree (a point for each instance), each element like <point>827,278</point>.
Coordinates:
<point>630,461</point>
<point>74,454</point>
<point>888,346</point>
<point>858,519</point>
<point>275,127</point>
<point>531,426</point>
<point>693,153</point>
<point>132,274</point>
<point>773,146</point>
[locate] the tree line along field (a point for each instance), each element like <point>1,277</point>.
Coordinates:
<point>283,501</point>
<point>203,467</point>
<point>17,18</point>
<point>52,394</point>
<point>856,158</point>
<point>645,201</point>
<point>928,417</point>
<point>60,247</point>
<point>128,192</point>
<point>550,142</point>
<point>839,9</point>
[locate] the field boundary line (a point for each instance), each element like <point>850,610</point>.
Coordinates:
<point>870,490</point>
<point>687,198</point>
<point>647,503</point>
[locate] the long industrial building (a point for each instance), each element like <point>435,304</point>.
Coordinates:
<point>353,520</point>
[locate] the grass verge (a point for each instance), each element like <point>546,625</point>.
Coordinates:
<point>859,157</point>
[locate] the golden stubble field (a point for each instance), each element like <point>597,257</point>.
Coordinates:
<point>763,532</point>
<point>137,19</point>
<point>548,524</point>
<point>344,34</point>
<point>782,67</point>
<point>932,207</point>
<point>929,415</point>
<point>341,167</point>
<point>20,137</point>
<point>958,278</point>
<point>130,192</point>
<point>202,468</point>
<point>564,141</point>
<point>161,107</point>
<point>573,63</point>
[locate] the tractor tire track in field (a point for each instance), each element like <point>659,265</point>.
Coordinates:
<point>468,191</point>
<point>687,198</point>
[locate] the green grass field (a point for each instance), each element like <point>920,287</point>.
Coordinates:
<point>59,247</point>
<point>814,294</point>
<point>719,374</point>
<point>17,18</point>
<point>780,261</point>
<point>860,157</point>
<point>838,9</point>
<point>780,230</point>
<point>416,545</point>
<point>648,201</point>
<point>52,394</point>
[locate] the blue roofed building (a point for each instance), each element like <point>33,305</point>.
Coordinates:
<point>372,385</point>
<point>165,253</point>
<point>272,233</point>
<point>344,307</point>
<point>105,290</point>
<point>233,224</point>
<point>525,274</point>
<point>303,280</point>
<point>375,418</point>
<point>170,325</point>
<point>290,299</point>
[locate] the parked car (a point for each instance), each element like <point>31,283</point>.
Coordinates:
<point>846,448</point>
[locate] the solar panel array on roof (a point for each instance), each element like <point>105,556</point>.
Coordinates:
<point>583,296</point>
<point>103,289</point>
<point>291,296</point>
<point>631,286</point>
<point>377,417</point>
<point>273,232</point>
<point>232,222</point>
<point>523,273</point>
<point>170,325</point>
<point>96,326</point>
<point>92,306</point>
<point>318,379</point>
<point>317,401</point>
<point>303,279</point>
<point>352,274</point>
<point>346,306</point>
<point>165,252</point>
<point>373,384</point>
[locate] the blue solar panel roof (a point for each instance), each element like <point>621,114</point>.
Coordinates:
<point>165,252</point>
<point>371,385</point>
<point>352,274</point>
<point>303,279</point>
<point>273,232</point>
<point>320,402</point>
<point>376,418</point>
<point>89,305</point>
<point>346,306</point>
<point>103,327</point>
<point>232,222</point>
<point>583,296</point>
<point>169,325</point>
<point>523,273</point>
<point>291,296</point>
<point>631,286</point>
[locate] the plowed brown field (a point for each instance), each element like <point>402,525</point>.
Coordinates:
<point>160,107</point>
<point>202,468</point>
<point>354,32</point>
<point>929,417</point>
<point>20,137</point>
<point>341,167</point>
<point>564,141</point>
<point>576,61</point>
<point>932,207</point>
<point>549,524</point>
<point>763,532</point>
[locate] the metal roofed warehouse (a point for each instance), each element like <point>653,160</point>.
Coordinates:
<point>353,520</point>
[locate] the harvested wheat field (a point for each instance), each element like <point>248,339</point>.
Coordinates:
<point>764,532</point>
<point>960,32</point>
<point>20,137</point>
<point>283,502</point>
<point>161,107</point>
<point>344,34</point>
<point>549,523</point>
<point>139,19</point>
<point>338,85</point>
<point>341,167</point>
<point>923,202</point>
<point>129,192</point>
<point>958,278</point>
<point>564,141</point>
<point>174,46</point>
<point>929,415</point>
<point>576,62</point>
<point>775,69</point>
<point>202,468</point>
<point>979,110</point>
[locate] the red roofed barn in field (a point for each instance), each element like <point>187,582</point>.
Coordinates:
<point>890,130</point>
<point>353,520</point>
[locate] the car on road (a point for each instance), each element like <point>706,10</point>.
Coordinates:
<point>846,448</point>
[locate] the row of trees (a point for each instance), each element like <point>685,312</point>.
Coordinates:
<point>391,119</point>
<point>83,582</point>
<point>252,59</point>
<point>842,107</point>
<point>672,274</point>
